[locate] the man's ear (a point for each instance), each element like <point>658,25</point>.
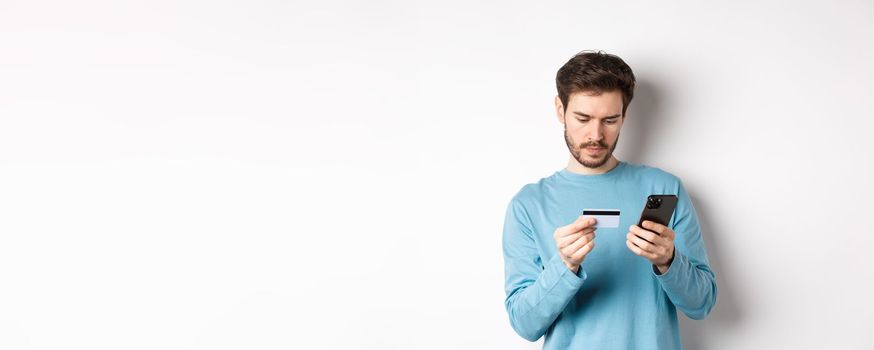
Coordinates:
<point>559,109</point>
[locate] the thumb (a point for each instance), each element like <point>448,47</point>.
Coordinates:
<point>583,222</point>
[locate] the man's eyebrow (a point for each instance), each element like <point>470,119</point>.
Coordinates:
<point>588,116</point>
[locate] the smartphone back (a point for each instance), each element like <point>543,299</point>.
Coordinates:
<point>658,208</point>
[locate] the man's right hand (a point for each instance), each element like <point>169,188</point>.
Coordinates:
<point>575,241</point>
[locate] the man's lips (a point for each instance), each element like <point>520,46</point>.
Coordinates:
<point>594,150</point>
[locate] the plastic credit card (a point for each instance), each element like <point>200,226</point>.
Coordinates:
<point>605,218</point>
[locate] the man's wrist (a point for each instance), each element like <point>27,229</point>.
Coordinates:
<point>664,267</point>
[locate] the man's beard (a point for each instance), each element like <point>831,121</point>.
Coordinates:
<point>578,154</point>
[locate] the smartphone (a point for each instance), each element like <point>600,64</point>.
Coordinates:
<point>659,208</point>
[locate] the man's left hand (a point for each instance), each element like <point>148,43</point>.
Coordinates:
<point>655,243</point>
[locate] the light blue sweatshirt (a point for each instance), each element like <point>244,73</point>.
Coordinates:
<point>616,300</point>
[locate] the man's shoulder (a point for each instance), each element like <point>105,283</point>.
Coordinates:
<point>648,173</point>
<point>532,191</point>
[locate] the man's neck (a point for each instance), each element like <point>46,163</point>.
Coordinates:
<point>575,167</point>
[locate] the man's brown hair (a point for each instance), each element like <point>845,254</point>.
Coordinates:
<point>595,72</point>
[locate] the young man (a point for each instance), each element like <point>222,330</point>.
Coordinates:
<point>610,287</point>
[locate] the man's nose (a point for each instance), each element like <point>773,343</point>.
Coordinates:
<point>594,132</point>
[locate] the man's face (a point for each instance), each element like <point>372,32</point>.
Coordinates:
<point>591,125</point>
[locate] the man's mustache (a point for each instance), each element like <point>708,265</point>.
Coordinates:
<point>600,144</point>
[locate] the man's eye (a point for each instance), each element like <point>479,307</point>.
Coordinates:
<point>610,121</point>
<point>583,120</point>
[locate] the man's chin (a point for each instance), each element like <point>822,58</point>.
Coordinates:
<point>593,163</point>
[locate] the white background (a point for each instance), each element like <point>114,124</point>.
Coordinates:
<point>287,175</point>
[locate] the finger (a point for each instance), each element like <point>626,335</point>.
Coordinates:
<point>658,248</point>
<point>654,226</point>
<point>669,234</point>
<point>562,230</point>
<point>659,229</point>
<point>585,223</point>
<point>567,240</point>
<point>590,223</point>
<point>582,252</point>
<point>637,251</point>
<point>647,235</point>
<point>577,225</point>
<point>641,243</point>
<point>576,245</point>
<point>579,243</point>
<point>633,248</point>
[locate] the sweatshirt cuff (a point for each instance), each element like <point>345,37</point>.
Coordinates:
<point>558,271</point>
<point>681,262</point>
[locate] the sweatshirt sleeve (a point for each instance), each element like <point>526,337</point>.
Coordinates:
<point>689,282</point>
<point>536,293</point>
